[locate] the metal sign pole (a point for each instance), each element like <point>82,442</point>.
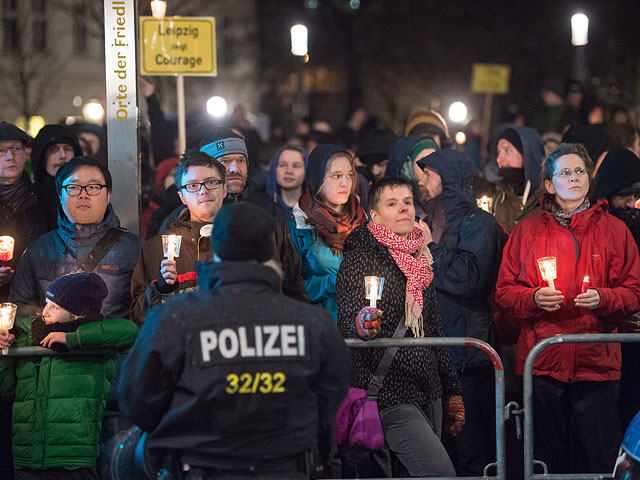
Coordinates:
<point>182,121</point>
<point>122,109</point>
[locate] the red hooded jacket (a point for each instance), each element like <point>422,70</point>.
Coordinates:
<point>595,244</point>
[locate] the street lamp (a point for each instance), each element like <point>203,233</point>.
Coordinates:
<point>93,111</point>
<point>299,40</point>
<point>458,112</point>
<point>579,38</point>
<point>579,29</point>
<point>217,107</point>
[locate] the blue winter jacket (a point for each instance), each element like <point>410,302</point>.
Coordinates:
<point>61,252</point>
<point>466,257</point>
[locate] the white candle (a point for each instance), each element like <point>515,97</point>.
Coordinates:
<point>171,244</point>
<point>373,288</point>
<point>6,249</point>
<point>547,266</point>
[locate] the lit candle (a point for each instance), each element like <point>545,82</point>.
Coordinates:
<point>7,316</point>
<point>484,203</point>
<point>586,284</point>
<point>171,245</point>
<point>373,287</point>
<point>547,266</point>
<point>6,249</point>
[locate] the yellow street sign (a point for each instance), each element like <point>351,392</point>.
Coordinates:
<point>490,78</point>
<point>178,46</point>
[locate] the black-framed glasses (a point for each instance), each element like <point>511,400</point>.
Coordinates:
<point>209,185</point>
<point>566,172</point>
<point>92,189</point>
<point>15,150</point>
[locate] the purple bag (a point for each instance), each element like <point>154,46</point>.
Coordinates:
<point>358,424</point>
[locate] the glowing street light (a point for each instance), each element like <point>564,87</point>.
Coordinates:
<point>158,9</point>
<point>458,112</point>
<point>299,40</point>
<point>579,29</point>
<point>93,111</point>
<point>217,107</point>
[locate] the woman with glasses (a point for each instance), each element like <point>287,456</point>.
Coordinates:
<point>591,281</point>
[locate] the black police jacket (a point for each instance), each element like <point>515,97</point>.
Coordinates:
<point>234,373</point>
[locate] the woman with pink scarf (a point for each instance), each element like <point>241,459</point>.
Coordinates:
<point>421,388</point>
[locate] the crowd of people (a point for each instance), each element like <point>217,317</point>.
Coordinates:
<point>236,363</point>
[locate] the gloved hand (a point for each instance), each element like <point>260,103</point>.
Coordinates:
<point>368,322</point>
<point>453,414</point>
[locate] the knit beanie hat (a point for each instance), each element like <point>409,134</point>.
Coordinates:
<point>8,131</point>
<point>243,231</point>
<point>512,137</point>
<point>619,171</point>
<point>421,145</point>
<point>223,141</point>
<point>428,118</point>
<point>78,293</point>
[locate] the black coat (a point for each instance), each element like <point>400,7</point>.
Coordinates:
<point>25,224</point>
<point>198,396</point>
<point>417,374</point>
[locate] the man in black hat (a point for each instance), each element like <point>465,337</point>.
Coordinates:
<point>233,379</point>
<point>21,215</point>
<point>618,180</point>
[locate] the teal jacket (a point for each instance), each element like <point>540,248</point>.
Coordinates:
<point>319,264</point>
<point>59,401</point>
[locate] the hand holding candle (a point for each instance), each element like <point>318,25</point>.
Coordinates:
<point>7,316</point>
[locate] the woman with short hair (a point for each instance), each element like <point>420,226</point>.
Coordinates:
<point>597,283</point>
<point>421,388</point>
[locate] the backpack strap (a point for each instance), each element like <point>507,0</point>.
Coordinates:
<point>100,249</point>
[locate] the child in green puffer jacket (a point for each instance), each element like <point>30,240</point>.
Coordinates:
<point>59,401</point>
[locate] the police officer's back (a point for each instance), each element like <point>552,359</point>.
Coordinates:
<point>235,377</point>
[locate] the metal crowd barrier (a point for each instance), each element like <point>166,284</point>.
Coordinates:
<point>529,461</point>
<point>500,463</point>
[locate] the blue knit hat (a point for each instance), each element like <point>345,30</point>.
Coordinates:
<point>78,293</point>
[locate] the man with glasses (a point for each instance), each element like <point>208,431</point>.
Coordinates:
<point>201,187</point>
<point>85,217</point>
<point>21,214</point>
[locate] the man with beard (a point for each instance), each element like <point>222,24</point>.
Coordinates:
<point>520,154</point>
<point>466,259</point>
<point>229,148</point>
<point>618,180</point>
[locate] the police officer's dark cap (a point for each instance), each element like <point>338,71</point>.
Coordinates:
<point>242,232</point>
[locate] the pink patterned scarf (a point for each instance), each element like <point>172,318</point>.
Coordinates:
<point>417,270</point>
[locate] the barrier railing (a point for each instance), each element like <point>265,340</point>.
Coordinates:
<point>529,461</point>
<point>46,352</point>
<point>500,463</point>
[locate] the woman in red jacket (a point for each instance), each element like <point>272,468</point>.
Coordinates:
<point>575,385</point>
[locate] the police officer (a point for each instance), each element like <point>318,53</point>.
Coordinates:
<point>234,379</point>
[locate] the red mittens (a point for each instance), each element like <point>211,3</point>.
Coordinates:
<point>453,414</point>
<point>368,322</point>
